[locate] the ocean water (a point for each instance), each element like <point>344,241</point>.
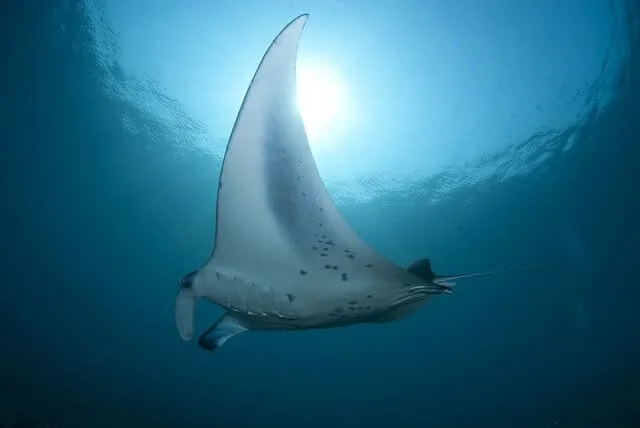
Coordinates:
<point>482,135</point>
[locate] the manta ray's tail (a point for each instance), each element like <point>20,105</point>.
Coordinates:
<point>186,307</point>
<point>422,268</point>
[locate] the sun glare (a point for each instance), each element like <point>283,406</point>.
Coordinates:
<point>320,99</point>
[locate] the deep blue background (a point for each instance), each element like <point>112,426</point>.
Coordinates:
<point>98,223</point>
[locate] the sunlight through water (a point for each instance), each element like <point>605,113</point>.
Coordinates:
<point>321,100</point>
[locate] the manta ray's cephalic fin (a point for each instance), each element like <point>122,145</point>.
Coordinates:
<point>216,335</point>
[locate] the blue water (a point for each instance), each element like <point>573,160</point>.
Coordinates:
<point>484,136</point>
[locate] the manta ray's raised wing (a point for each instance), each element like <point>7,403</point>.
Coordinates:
<point>273,207</point>
<point>276,224</point>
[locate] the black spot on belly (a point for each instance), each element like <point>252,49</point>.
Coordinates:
<point>325,249</point>
<point>327,266</point>
<point>334,267</point>
<point>351,256</point>
<point>291,297</point>
<point>344,277</point>
<point>303,272</point>
<point>369,296</point>
<point>323,254</point>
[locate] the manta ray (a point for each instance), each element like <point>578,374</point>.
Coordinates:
<point>283,257</point>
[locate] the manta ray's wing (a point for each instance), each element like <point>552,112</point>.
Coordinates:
<point>273,209</point>
<point>276,224</point>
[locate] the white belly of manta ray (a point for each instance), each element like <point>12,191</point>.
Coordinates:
<point>284,258</point>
